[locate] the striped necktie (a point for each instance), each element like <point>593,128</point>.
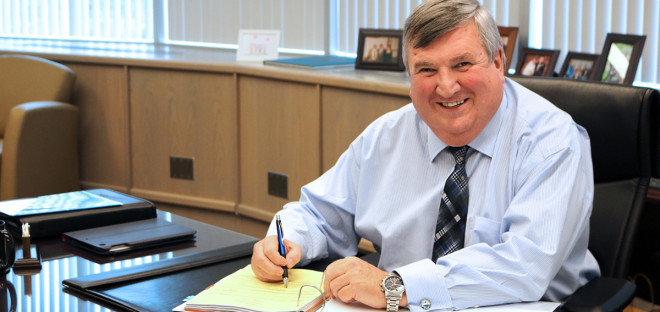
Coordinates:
<point>450,229</point>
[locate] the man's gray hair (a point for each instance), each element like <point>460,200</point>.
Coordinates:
<point>434,18</point>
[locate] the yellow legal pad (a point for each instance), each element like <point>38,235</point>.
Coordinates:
<point>242,291</point>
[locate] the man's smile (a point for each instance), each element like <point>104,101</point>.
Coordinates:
<point>452,104</point>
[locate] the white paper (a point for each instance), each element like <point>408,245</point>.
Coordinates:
<point>12,207</point>
<point>257,45</point>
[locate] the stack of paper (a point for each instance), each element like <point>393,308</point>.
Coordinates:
<point>242,291</point>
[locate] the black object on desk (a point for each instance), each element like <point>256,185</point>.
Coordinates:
<point>58,213</point>
<point>63,262</point>
<point>129,236</point>
<point>162,285</point>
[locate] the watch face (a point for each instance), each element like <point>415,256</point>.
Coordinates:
<point>392,283</point>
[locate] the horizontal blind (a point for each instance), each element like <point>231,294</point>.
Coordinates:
<point>91,20</point>
<point>217,22</point>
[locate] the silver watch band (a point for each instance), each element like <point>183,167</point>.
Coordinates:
<point>392,305</point>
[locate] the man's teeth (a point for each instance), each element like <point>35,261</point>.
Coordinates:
<point>452,104</point>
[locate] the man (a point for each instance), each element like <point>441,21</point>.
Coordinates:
<point>527,172</point>
<point>372,55</point>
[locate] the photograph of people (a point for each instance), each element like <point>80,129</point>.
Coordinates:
<point>535,65</point>
<point>579,69</point>
<point>382,49</point>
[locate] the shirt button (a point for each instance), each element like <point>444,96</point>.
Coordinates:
<point>425,304</point>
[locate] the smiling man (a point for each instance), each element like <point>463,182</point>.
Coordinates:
<point>478,193</point>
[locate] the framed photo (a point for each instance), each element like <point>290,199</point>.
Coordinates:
<point>619,59</point>
<point>509,37</point>
<point>257,44</point>
<point>380,49</point>
<point>537,62</point>
<point>579,66</point>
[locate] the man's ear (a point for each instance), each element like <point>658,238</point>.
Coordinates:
<point>499,61</point>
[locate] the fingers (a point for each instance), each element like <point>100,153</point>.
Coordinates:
<point>352,279</point>
<point>293,253</point>
<point>266,261</point>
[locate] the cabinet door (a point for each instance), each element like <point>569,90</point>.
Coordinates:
<point>345,115</point>
<point>184,114</point>
<point>279,132</point>
<point>100,93</point>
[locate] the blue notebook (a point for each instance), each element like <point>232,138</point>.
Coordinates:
<point>314,62</point>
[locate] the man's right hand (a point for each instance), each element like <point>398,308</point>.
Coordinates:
<point>267,262</point>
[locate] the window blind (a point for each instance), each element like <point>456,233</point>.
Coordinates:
<point>91,20</point>
<point>583,25</point>
<point>327,26</point>
<point>217,22</point>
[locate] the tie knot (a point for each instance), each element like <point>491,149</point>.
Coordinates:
<point>459,153</point>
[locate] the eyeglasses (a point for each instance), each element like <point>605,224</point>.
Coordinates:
<point>316,305</point>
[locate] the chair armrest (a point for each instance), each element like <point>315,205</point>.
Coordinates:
<point>40,150</point>
<point>601,294</point>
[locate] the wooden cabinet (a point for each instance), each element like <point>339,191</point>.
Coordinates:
<point>186,114</point>
<point>279,132</point>
<point>101,94</point>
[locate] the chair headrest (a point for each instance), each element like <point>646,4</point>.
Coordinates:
<point>617,118</point>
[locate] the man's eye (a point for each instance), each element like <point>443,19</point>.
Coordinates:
<point>462,64</point>
<point>426,70</point>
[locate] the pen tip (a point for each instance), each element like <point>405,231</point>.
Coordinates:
<point>286,282</point>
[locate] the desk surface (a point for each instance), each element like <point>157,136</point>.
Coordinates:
<point>43,291</point>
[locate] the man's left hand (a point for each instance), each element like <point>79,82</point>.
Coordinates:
<point>353,279</point>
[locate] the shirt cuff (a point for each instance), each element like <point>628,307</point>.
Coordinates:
<point>425,284</point>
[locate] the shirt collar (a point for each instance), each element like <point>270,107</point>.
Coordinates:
<point>483,143</point>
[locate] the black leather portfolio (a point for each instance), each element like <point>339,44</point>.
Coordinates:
<point>58,213</point>
<point>162,285</point>
<point>130,236</point>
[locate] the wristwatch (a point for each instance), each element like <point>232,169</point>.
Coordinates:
<point>392,286</point>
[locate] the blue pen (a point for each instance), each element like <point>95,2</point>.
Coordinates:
<point>280,239</point>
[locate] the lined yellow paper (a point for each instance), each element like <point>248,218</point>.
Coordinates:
<point>243,291</point>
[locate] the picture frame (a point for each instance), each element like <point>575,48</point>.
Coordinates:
<point>380,49</point>
<point>256,45</point>
<point>509,37</point>
<point>619,59</point>
<point>579,66</point>
<point>537,62</point>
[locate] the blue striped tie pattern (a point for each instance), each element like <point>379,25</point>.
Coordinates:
<point>450,229</point>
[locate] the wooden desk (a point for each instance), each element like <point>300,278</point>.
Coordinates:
<point>44,292</point>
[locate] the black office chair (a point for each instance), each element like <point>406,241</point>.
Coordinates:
<point>622,124</point>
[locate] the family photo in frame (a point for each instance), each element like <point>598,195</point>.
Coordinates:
<point>537,62</point>
<point>579,66</point>
<point>380,49</point>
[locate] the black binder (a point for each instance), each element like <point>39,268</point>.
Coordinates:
<point>162,285</point>
<point>55,214</point>
<point>130,236</point>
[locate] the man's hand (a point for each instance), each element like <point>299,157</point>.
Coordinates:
<point>352,279</point>
<point>267,262</point>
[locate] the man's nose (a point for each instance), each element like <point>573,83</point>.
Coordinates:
<point>447,85</point>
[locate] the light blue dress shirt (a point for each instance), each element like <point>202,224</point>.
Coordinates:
<point>531,191</point>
